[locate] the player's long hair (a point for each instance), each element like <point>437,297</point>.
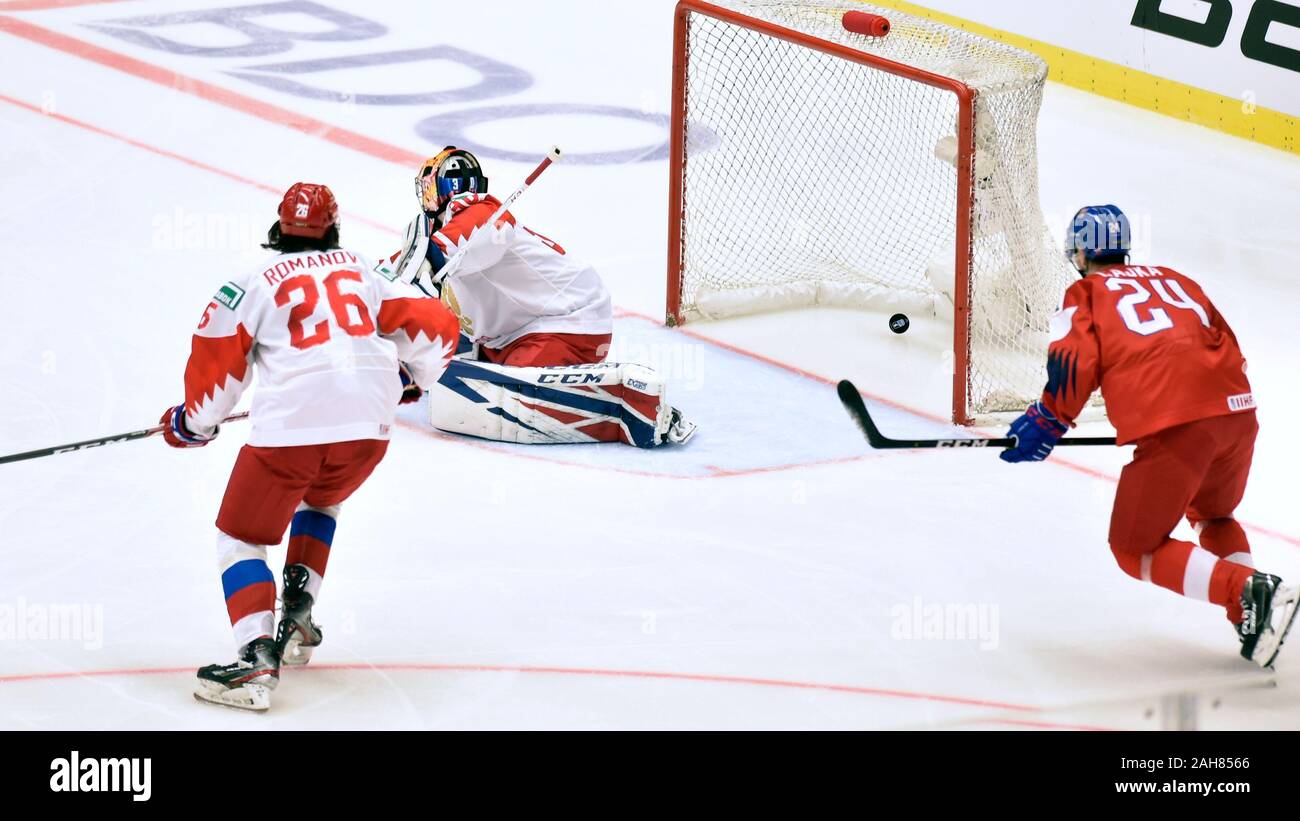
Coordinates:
<point>285,244</point>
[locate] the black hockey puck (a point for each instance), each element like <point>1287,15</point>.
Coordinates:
<point>899,323</point>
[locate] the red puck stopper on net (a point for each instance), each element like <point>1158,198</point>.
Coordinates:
<point>862,22</point>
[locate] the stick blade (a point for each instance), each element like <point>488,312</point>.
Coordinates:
<point>857,409</point>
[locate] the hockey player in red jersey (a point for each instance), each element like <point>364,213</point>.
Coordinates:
<point>326,335</point>
<point>1175,385</point>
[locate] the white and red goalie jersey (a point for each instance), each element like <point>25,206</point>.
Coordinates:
<point>326,334</point>
<point>509,282</point>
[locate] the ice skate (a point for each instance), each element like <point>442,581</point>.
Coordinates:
<point>245,684</point>
<point>297,636</point>
<point>679,430</point>
<point>1270,608</point>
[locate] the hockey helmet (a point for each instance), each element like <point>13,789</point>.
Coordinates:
<point>308,210</point>
<point>453,171</point>
<point>1101,232</point>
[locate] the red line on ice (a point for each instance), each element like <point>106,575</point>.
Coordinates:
<point>41,5</point>
<point>596,672</point>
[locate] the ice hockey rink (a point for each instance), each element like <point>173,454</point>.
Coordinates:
<point>773,573</point>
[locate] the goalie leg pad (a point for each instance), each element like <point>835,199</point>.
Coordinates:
<point>604,402</point>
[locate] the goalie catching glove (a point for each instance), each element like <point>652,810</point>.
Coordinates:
<point>418,260</point>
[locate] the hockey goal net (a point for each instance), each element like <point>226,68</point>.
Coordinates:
<point>812,165</point>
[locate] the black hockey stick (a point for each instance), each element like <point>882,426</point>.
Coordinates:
<point>858,410</point>
<point>94,443</point>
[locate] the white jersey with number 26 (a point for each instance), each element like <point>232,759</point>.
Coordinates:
<point>325,334</point>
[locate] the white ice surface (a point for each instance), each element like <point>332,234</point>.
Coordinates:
<point>747,580</point>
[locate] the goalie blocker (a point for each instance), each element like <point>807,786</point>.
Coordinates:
<point>575,404</point>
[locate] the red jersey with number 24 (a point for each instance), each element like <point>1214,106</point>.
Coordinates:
<point>1155,345</point>
<point>326,334</point>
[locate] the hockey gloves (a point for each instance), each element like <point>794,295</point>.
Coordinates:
<point>411,392</point>
<point>1036,433</point>
<point>178,434</point>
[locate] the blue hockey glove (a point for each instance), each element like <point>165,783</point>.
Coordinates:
<point>1036,432</point>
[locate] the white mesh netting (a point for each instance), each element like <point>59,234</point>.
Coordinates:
<point>814,180</point>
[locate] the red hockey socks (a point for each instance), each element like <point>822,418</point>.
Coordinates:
<point>1226,539</point>
<point>1190,571</point>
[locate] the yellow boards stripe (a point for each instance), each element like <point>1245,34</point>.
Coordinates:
<point>1117,82</point>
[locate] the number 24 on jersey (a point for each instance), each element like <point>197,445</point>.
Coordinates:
<point>1168,291</point>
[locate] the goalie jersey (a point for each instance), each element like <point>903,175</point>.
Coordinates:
<point>509,281</point>
<point>325,334</point>
<point>1154,343</point>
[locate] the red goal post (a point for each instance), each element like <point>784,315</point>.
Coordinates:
<point>718,50</point>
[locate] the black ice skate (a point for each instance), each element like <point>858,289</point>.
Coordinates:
<point>245,684</point>
<point>1269,608</point>
<point>297,636</point>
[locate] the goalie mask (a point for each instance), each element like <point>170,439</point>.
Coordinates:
<point>450,173</point>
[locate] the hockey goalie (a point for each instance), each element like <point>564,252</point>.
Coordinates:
<point>536,325</point>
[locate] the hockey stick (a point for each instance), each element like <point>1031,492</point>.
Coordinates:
<point>857,409</point>
<point>552,156</point>
<point>94,443</point>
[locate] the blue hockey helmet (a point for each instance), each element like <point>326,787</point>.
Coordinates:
<point>1101,232</point>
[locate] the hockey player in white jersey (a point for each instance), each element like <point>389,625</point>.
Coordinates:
<point>326,335</point>
<point>537,323</point>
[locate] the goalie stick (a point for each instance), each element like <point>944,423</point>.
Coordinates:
<point>552,156</point>
<point>857,408</point>
<point>94,443</point>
